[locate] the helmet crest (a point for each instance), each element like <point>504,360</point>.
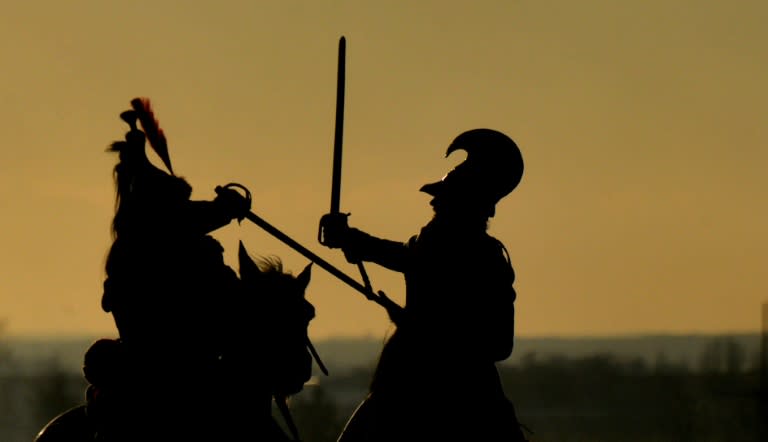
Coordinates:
<point>492,169</point>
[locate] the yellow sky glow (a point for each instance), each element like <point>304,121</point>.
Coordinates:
<point>643,207</point>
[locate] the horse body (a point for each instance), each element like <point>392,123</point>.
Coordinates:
<point>425,417</point>
<point>415,396</point>
<point>266,357</point>
<point>73,425</point>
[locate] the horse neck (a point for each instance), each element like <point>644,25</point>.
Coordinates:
<point>249,382</point>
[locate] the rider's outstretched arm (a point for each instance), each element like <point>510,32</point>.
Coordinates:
<point>203,217</point>
<point>360,246</point>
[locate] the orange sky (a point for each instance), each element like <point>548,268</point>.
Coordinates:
<point>643,126</point>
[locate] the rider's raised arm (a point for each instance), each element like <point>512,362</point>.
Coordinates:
<point>360,246</point>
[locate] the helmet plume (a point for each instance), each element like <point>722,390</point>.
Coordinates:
<point>152,130</point>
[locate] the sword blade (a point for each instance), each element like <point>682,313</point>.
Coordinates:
<point>339,131</point>
<point>290,242</point>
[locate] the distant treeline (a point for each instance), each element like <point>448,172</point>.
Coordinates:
<point>698,352</point>
<point>601,397</point>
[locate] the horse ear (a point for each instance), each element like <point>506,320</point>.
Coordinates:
<point>248,268</point>
<point>305,276</point>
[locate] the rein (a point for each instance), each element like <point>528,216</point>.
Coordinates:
<point>282,404</point>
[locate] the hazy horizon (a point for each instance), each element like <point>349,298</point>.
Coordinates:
<point>373,337</point>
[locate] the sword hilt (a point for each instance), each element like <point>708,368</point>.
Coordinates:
<point>247,195</point>
<point>332,221</point>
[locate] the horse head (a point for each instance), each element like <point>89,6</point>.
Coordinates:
<point>281,314</point>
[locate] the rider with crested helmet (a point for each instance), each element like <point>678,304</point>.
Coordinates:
<point>459,304</point>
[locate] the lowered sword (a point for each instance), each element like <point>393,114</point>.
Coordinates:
<point>379,297</point>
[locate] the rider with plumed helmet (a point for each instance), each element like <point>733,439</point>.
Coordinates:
<point>167,286</point>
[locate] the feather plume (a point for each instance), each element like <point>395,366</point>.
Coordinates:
<point>152,130</point>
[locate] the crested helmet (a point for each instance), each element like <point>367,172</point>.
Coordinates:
<point>492,169</point>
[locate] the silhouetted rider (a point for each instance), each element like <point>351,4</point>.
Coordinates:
<point>458,318</point>
<point>170,293</point>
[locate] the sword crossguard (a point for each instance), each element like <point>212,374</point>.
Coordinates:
<point>246,196</point>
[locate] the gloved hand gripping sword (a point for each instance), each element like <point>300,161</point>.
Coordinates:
<point>335,216</point>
